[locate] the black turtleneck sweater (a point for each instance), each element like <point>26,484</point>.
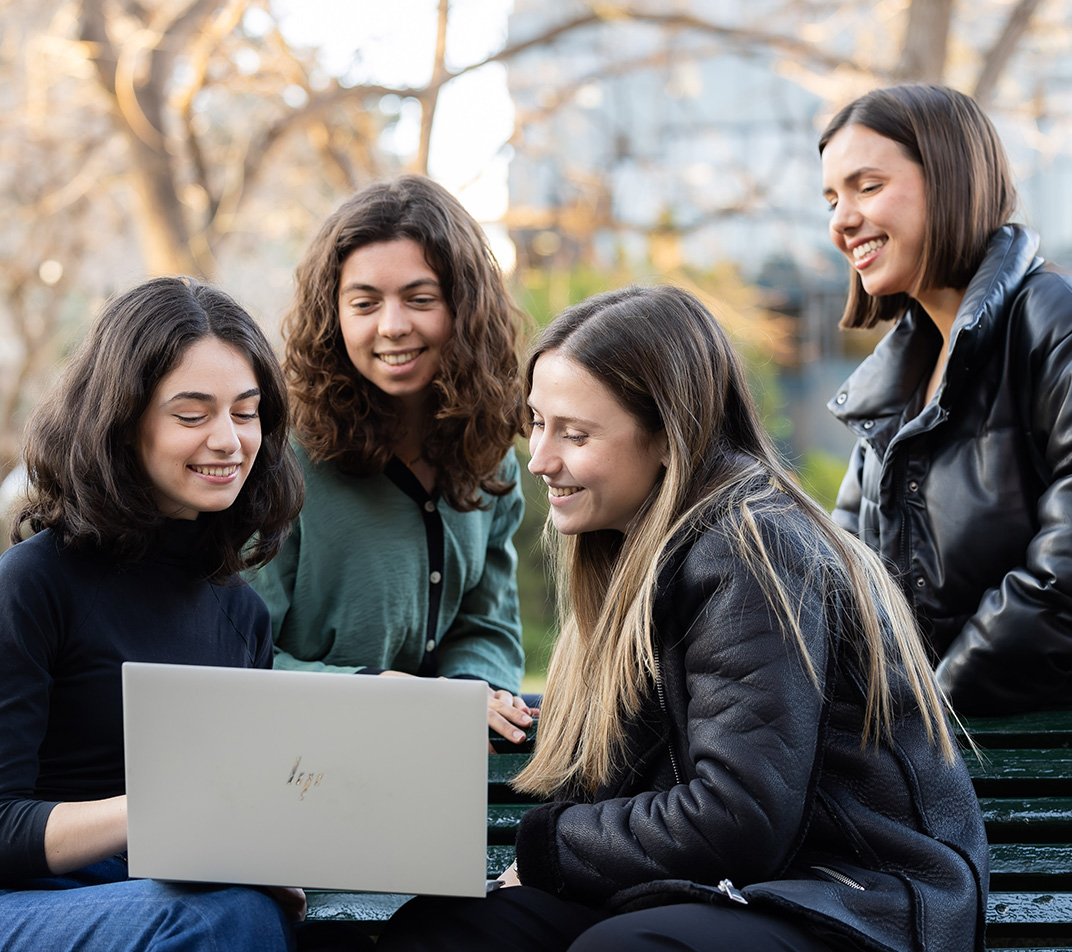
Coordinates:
<point>68,621</point>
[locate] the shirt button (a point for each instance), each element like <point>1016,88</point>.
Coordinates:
<point>868,424</point>
<point>913,486</point>
<point>429,645</point>
<point>429,506</point>
<point>435,578</point>
<point>841,398</point>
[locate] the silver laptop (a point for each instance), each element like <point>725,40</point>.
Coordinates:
<point>290,778</point>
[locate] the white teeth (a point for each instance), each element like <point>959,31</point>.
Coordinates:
<point>395,359</point>
<point>563,490</point>
<point>867,247</point>
<point>216,470</point>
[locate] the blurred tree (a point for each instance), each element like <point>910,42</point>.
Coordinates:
<point>198,126</point>
<point>198,123</point>
<point>579,92</point>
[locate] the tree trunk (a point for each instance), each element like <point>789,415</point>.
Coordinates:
<point>926,41</point>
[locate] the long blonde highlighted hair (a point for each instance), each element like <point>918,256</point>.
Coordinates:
<point>670,364</point>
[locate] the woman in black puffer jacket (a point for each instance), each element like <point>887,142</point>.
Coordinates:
<point>962,474</point>
<point>741,739</point>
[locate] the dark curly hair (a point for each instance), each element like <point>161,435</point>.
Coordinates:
<point>339,415</point>
<point>86,482</point>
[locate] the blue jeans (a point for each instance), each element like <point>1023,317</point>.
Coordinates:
<point>100,910</point>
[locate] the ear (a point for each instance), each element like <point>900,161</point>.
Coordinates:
<point>662,444</point>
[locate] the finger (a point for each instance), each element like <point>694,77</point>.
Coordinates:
<point>504,728</point>
<point>516,715</point>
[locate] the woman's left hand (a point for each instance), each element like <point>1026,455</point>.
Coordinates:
<point>509,715</point>
<point>509,876</point>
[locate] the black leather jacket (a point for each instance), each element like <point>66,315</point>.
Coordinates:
<point>970,502</point>
<point>745,771</point>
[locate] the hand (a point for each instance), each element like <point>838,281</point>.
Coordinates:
<point>508,715</point>
<point>291,899</point>
<point>509,876</point>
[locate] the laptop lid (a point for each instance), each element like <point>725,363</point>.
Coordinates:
<point>294,778</point>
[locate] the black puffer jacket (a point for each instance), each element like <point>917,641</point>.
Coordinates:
<point>970,502</point>
<point>749,773</point>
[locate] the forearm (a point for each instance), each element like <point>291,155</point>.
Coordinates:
<point>78,834</point>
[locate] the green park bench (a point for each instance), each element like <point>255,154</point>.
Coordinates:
<point>1024,785</point>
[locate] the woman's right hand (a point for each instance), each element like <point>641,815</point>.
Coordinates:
<point>78,834</point>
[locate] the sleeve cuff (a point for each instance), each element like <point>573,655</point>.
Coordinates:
<point>537,848</point>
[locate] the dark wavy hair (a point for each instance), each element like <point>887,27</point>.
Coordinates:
<point>86,482</point>
<point>969,187</point>
<point>339,415</point>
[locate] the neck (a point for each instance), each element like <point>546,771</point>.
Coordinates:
<point>941,306</point>
<point>409,447</point>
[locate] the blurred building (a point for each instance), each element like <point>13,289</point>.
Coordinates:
<point>660,145</point>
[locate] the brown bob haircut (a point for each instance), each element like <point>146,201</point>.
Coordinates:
<point>85,480</point>
<point>969,188</point>
<point>477,407</point>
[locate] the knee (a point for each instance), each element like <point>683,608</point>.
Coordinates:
<point>615,934</point>
<point>237,918</point>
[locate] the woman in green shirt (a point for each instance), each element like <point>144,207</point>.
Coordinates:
<point>401,359</point>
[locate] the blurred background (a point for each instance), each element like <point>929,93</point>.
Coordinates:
<point>599,143</point>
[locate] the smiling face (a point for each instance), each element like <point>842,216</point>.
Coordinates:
<point>598,462</point>
<point>394,318</point>
<point>200,434</point>
<point>879,209</point>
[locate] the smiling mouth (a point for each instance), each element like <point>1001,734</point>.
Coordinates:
<point>868,247</point>
<point>396,360</point>
<point>218,471</point>
<point>563,490</point>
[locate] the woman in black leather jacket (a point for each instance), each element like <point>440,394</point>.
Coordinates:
<point>962,474</point>
<point>741,741</point>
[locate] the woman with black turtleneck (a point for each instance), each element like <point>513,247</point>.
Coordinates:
<point>158,457</point>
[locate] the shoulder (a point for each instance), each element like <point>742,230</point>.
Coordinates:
<point>1040,313</point>
<point>509,468</point>
<point>242,605</point>
<point>43,556</point>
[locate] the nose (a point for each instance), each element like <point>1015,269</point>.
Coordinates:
<point>223,437</point>
<point>394,320</point>
<point>844,218</point>
<point>542,460</point>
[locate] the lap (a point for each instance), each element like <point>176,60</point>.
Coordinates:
<point>142,915</point>
<point>521,919</point>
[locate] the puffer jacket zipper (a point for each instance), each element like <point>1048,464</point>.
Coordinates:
<point>732,892</point>
<point>840,878</point>
<point>666,713</point>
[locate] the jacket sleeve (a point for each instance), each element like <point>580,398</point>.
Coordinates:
<point>750,736</point>
<point>30,627</point>
<point>484,639</point>
<point>1015,652</point>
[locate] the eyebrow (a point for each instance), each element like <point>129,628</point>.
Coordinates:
<point>210,397</point>
<point>572,420</point>
<point>420,282</point>
<point>853,177</point>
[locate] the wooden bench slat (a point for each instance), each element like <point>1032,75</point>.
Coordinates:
<point>1021,764</point>
<point>1029,820</point>
<point>1029,915</point>
<point>1038,866</point>
<point>352,906</point>
<point>1046,729</point>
